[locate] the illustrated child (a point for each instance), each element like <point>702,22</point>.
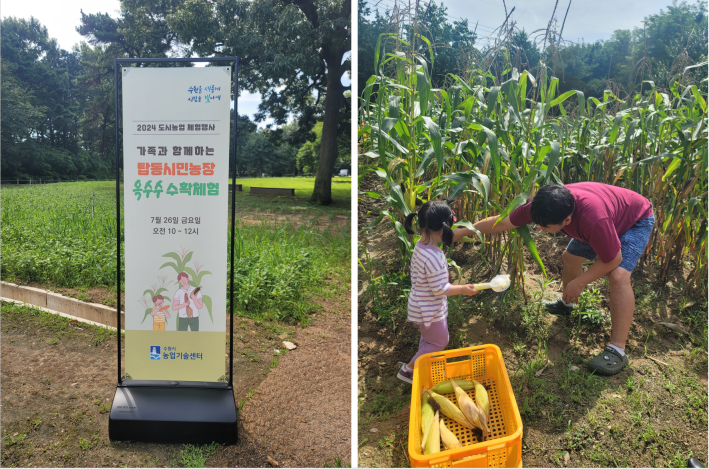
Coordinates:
<point>188,301</point>
<point>159,313</point>
<point>428,302</point>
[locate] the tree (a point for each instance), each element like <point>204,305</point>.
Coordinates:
<point>288,50</point>
<point>307,158</point>
<point>451,42</point>
<point>41,131</point>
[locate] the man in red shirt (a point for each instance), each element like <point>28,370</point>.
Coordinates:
<point>608,222</point>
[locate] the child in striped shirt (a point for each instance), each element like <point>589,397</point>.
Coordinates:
<point>159,312</point>
<point>428,302</point>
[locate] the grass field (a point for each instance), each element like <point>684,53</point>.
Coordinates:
<point>303,185</point>
<point>64,235</point>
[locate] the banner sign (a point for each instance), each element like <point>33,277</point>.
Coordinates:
<point>175,172</point>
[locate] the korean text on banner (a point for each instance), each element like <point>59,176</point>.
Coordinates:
<point>175,165</point>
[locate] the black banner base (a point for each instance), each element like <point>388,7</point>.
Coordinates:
<point>173,414</point>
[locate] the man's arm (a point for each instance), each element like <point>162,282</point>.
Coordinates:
<point>484,227</point>
<point>596,271</point>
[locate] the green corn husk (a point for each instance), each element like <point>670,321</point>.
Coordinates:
<point>433,445</point>
<point>450,410</point>
<point>445,387</point>
<point>426,419</point>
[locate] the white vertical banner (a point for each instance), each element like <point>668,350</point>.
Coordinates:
<point>175,169</point>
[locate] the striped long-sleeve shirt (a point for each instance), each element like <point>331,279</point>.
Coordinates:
<point>429,284</point>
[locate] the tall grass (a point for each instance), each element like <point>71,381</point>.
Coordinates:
<point>489,145</point>
<point>52,234</point>
<point>63,234</point>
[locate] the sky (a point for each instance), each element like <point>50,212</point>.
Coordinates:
<point>61,22</point>
<point>586,20</point>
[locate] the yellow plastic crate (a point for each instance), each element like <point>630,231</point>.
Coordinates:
<point>484,363</point>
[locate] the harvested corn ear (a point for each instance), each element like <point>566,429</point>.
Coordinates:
<point>426,417</point>
<point>450,410</point>
<point>471,410</point>
<point>481,397</point>
<point>445,387</point>
<point>448,438</point>
<point>433,445</point>
<point>483,401</point>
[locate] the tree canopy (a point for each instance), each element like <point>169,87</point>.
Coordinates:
<point>58,106</point>
<point>289,50</point>
<point>657,50</point>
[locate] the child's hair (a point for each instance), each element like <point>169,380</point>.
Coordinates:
<point>182,274</point>
<point>158,297</point>
<point>433,215</point>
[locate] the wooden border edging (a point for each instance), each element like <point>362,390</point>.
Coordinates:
<point>238,187</point>
<point>272,191</point>
<point>54,302</point>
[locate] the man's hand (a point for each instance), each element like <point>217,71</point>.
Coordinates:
<point>573,291</point>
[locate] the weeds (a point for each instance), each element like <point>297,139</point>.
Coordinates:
<point>196,456</point>
<point>337,462</point>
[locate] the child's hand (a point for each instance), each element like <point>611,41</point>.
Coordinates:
<point>469,290</point>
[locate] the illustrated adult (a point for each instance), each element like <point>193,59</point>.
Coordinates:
<point>604,221</point>
<point>187,303</point>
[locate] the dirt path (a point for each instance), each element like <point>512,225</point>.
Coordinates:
<point>300,415</point>
<point>58,382</point>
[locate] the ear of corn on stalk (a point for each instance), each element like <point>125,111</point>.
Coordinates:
<point>448,438</point>
<point>433,445</point>
<point>450,410</point>
<point>445,387</point>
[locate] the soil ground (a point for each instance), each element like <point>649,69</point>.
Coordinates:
<point>652,414</point>
<point>58,382</point>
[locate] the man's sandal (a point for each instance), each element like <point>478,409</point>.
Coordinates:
<point>608,362</point>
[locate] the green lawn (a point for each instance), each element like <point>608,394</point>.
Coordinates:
<point>303,185</point>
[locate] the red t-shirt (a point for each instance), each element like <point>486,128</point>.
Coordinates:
<point>602,214</point>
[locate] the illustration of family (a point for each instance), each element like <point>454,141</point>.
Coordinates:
<point>187,300</point>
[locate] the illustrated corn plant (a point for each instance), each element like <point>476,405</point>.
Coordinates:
<point>486,148</point>
<point>154,290</point>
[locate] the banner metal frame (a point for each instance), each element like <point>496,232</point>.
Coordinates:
<point>122,382</point>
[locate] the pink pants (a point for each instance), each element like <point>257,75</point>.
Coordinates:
<point>433,339</point>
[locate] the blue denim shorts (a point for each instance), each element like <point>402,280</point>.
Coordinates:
<point>632,244</point>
